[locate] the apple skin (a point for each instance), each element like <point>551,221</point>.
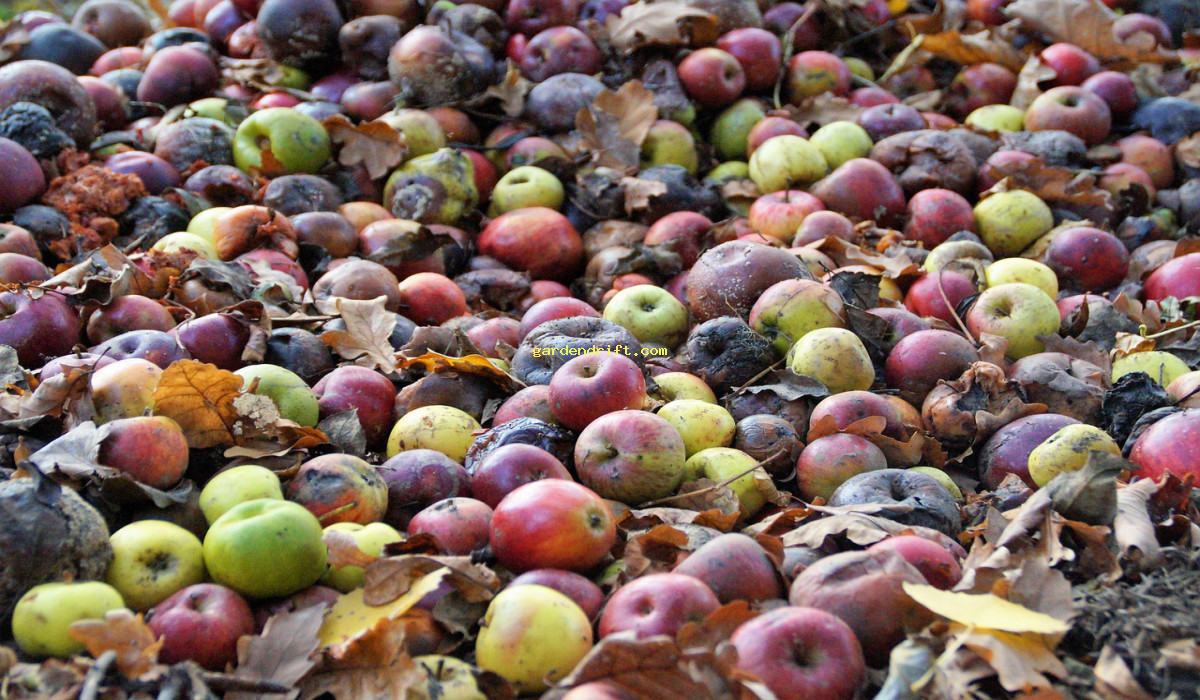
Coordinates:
<point>650,313</point>
<point>1067,450</point>
<point>729,278</point>
<point>835,357</point>
<point>443,428</point>
<point>418,478</point>
<point>937,564</point>
<point>770,127</point>
<point>461,525</point>
<point>740,470</point>
<point>297,141</point>
<point>830,460</point>
<point>1151,155</point>
<point>801,653</point>
<point>44,613</point>
<point>38,329</point>
<point>779,214</point>
<point>700,424</point>
<point>734,567</point>
<point>339,488</point>
<point>924,296</point>
<point>242,483</point>
<point>980,85</point>
<point>580,589</point>
<point>201,623</point>
<point>217,339</point>
<point>590,386</point>
<point>785,162</point>
<point>509,466</point>
<point>124,389</point>
<point>150,449</point>
<point>532,635</point>
<point>1087,259</point>
<point>1071,64</point>
<point>1071,109</point>
<point>758,51</point>
<point>674,386</point>
<point>132,312</point>
<point>919,361</point>
<point>152,559</point>
<point>553,309</point>
<point>1007,451</point>
<point>862,189</point>
<point>1178,277</point>
<point>1116,89</point>
<point>1163,367</point>
<point>526,186</point>
<point>936,214</point>
<point>561,49</point>
<point>712,77</point>
<point>1017,311</point>
<point>553,524</point>
<point>530,402</point>
<point>1169,446</point>
<point>630,456</point>
<point>811,73</point>
<point>1008,270</point>
<point>265,548</point>
<point>537,240</point>
<point>291,395</point>
<point>656,604</point>
<point>367,391</point>
<point>1009,222</point>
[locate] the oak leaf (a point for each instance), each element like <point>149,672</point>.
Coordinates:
<point>669,24</point>
<point>200,398</point>
<point>126,634</point>
<point>367,338</point>
<point>375,145</point>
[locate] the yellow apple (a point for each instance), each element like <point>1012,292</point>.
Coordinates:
<point>532,635</point>
<point>1067,451</point>
<point>699,423</point>
<point>1022,270</point>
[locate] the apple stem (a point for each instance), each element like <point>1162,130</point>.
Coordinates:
<point>1169,331</point>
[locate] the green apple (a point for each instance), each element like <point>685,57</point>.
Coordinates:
<point>1022,270</point>
<point>835,357</point>
<point>294,398</point>
<point>670,143</point>
<point>422,132</point>
<point>152,559</point>
<point>732,126</point>
<point>1009,222</point>
<point>860,68</point>
<point>997,118</point>
<point>942,478</point>
<point>1163,367</point>
<point>650,313</point>
<point>723,463</point>
<point>217,108</point>
<point>296,140</point>
<point>532,635</point>
<point>203,223</point>
<point>728,171</point>
<point>526,186</point>
<point>246,482</point>
<point>790,309</point>
<point>841,141</point>
<point>446,429</point>
<point>684,385</point>
<point>786,162</point>
<point>370,539</point>
<point>1067,451</point>
<point>1018,312</point>
<point>43,616</point>
<point>181,240</point>
<point>436,188</point>
<point>701,424</point>
<point>265,548</point>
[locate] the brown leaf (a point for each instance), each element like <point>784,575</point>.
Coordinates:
<point>511,91</point>
<point>969,49</point>
<point>1020,660</point>
<point>13,36</point>
<point>656,550</point>
<point>1053,184</point>
<point>199,397</point>
<point>104,275</point>
<point>823,109</point>
<point>845,253</point>
<point>682,516</point>
<point>1087,24</point>
<point>389,578</point>
<point>283,653</point>
<point>638,193</point>
<point>394,679</point>
<point>1089,494</point>
<point>344,551</point>
<point>1133,530</point>
<point>58,394</point>
<point>126,634</point>
<point>375,145</point>
<point>478,365</point>
<point>716,627</point>
<point>859,528</point>
<point>670,24</point>
<point>1114,680</point>
<point>367,338</point>
<point>1029,82</point>
<point>613,127</point>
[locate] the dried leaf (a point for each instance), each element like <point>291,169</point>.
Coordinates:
<point>375,145</point>
<point>1019,660</point>
<point>986,610</point>
<point>126,634</point>
<point>670,24</point>
<point>13,36</point>
<point>613,127</point>
<point>657,550</point>
<point>199,397</point>
<point>394,678</point>
<point>346,431</point>
<point>824,109</point>
<point>1054,185</point>
<point>1029,82</point>
<point>638,193</point>
<point>105,274</point>
<point>367,338</point>
<point>393,577</point>
<point>62,393</point>
<point>346,631</point>
<point>1133,530</point>
<point>74,454</point>
<point>716,627</point>
<point>859,528</point>
<point>969,49</point>
<point>511,91</point>
<point>344,551</point>
<point>1114,680</point>
<point>476,364</point>
<point>1089,494</point>
<point>283,653</point>
<point>1087,24</point>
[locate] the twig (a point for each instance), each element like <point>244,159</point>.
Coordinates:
<point>714,487</point>
<point>223,682</point>
<point>95,676</point>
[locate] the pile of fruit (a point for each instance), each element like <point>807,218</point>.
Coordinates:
<point>600,349</point>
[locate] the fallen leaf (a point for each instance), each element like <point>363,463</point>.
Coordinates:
<point>367,338</point>
<point>669,24</point>
<point>969,49</point>
<point>59,394</point>
<point>199,397</point>
<point>344,551</point>
<point>1089,494</point>
<point>823,109</point>
<point>1087,24</point>
<point>346,431</point>
<point>984,610</point>
<point>282,654</point>
<point>1030,77</point>
<point>1019,660</point>
<point>375,145</point>
<point>511,91</point>
<point>1133,530</point>
<point>1114,680</point>
<point>476,364</point>
<point>76,453</point>
<point>638,193</point>
<point>126,634</point>
<point>614,125</point>
<point>346,633</point>
<point>395,678</point>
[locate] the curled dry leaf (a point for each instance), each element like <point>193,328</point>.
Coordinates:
<point>638,193</point>
<point>1019,660</point>
<point>667,24</point>
<point>347,632</point>
<point>126,634</point>
<point>823,109</point>
<point>969,49</point>
<point>367,338</point>
<point>656,550</point>
<point>1089,494</point>
<point>394,577</point>
<point>106,273</point>
<point>283,653</point>
<point>1133,529</point>
<point>984,610</point>
<point>511,91</point>
<point>199,397</point>
<point>476,364</point>
<point>344,551</point>
<point>1087,24</point>
<point>375,145</point>
<point>1030,77</point>
<point>63,393</point>
<point>1114,680</point>
<point>613,127</point>
<point>965,412</point>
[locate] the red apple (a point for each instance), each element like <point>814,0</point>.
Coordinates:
<point>778,215</point>
<point>1087,259</point>
<point>919,361</point>
<point>1007,451</point>
<point>552,309</point>
<point>217,339</point>
<point>460,525</point>
<point>537,240</point>
<point>201,623</point>
<point>827,462</point>
<point>925,296</point>
<point>937,564</point>
<point>770,127</point>
<point>936,214</point>
<point>590,386</point>
<point>734,567</point>
<point>759,52</point>
<point>561,49</point>
<point>712,77</point>
<point>1178,277</point>
<point>430,299</point>
<point>531,402</point>
<point>1072,109</point>
<point>656,604</point>
<point>38,329</point>
<point>509,466</point>
<point>980,85</point>
<point>365,390</point>
<point>419,478</point>
<point>552,523</point>
<point>1071,64</point>
<point>150,449</point>
<point>862,189</point>
<point>580,589</point>
<point>680,232</point>
<point>802,653</point>
<point>1169,445</point>
<point>1116,89</point>
<point>812,73</point>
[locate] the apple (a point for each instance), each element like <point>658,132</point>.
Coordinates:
<point>835,357</point>
<point>699,423</point>
<point>788,310</point>
<point>980,85</point>
<point>42,617</point>
<point>712,77</point>
<point>431,298</point>
<point>246,482</point>
<point>150,449</point>
<point>580,589</point>
<point>935,215</point>
<point>769,127</point>
<point>1071,64</point>
<point>509,466</point>
<point>1169,445</point>
<point>684,385</point>
<point>592,385</point>
<point>779,214</point>
<point>124,389</point>
<point>132,312</point>
<point>871,96</point>
<point>418,478</point>
<point>460,525</point>
<point>1178,277</point>
<point>1018,312</point>
<point>997,118</point>
<point>370,540</point>
<point>201,623</point>
<point>1032,272</point>
<point>218,339</point>
<point>882,121</point>
<point>862,189</point>
<point>1149,154</point>
<point>841,141</point>
<point>657,604</point>
<point>556,50</point>
<point>828,461</point>
<point>669,143</point>
<point>531,636</point>
<point>1087,258</point>
<point>152,559</point>
<point>938,294</point>
<point>734,567</point>
<point>290,394</point>
<point>362,389</point>
<point>537,240</point>
<point>936,563</point>
<point>783,162</point>
<point>265,548</point>
<point>1116,89</point>
<point>811,73</point>
<point>759,52</point>
<point>728,278</point>
<point>339,488</point>
<point>38,329</point>
<point>1163,367</point>
<point>801,653</point>
<point>298,142</point>
<point>650,313</point>
<point>552,523</point>
<point>1007,450</point>
<point>531,402</point>
<point>526,186</point>
<point>630,456</point>
<point>443,428</point>
<point>1009,222</point>
<point>1071,109</point>
<point>920,360</point>
<point>727,464</point>
<point>823,224</point>
<point>553,309</point>
<point>1067,450</point>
